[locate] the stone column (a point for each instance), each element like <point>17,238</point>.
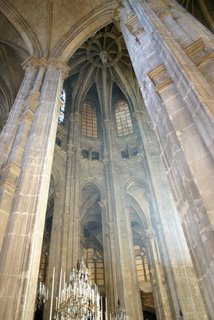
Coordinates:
<point>71,219</point>
<point>13,140</point>
<point>111,258</point>
<point>109,248</point>
<point>120,255</point>
<point>190,194</point>
<point>54,260</point>
<point>159,285</point>
<point>21,250</point>
<point>9,131</point>
<point>65,235</point>
<point>130,286</point>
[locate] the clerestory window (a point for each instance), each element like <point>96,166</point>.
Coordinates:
<point>89,120</point>
<point>123,118</point>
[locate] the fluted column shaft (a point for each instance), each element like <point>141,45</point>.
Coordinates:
<point>21,250</point>
<point>8,133</point>
<point>159,288</point>
<point>119,255</point>
<point>148,65</point>
<point>152,55</point>
<point>71,224</point>
<point>13,139</point>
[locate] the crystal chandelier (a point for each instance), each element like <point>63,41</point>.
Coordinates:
<point>41,296</point>
<point>78,300</point>
<point>119,313</point>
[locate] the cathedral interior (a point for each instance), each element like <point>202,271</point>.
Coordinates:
<point>106,159</point>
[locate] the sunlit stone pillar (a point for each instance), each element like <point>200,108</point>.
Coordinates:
<point>71,221</point>
<point>183,79</point>
<point>159,285</point>
<point>120,256</point>
<point>111,272</point>
<point>54,259</point>
<point>166,76</point>
<point>9,131</point>
<point>111,257</point>
<point>21,250</point>
<point>175,263</point>
<point>13,138</point>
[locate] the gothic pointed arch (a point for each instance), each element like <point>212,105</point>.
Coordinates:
<point>90,212</point>
<point>31,41</point>
<point>95,183</point>
<point>137,191</point>
<point>75,37</point>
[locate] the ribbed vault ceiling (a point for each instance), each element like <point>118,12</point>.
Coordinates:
<point>106,48</point>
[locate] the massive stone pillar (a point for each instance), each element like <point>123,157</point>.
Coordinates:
<point>55,249</point>
<point>17,127</point>
<point>179,101</point>
<point>160,293</point>
<point>172,247</point>
<point>71,218</point>
<point>9,132</point>
<point>31,152</point>
<point>118,245</point>
<point>65,248</point>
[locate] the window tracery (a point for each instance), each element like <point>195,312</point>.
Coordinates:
<point>89,120</point>
<point>123,118</point>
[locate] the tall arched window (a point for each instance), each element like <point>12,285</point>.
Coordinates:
<point>89,120</point>
<point>123,118</point>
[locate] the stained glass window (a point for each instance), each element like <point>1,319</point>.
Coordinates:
<point>89,120</point>
<point>123,118</point>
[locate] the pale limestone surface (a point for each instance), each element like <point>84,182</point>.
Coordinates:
<point>166,190</point>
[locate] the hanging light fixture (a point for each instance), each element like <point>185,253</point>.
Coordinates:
<point>119,313</point>
<point>78,299</point>
<point>41,296</point>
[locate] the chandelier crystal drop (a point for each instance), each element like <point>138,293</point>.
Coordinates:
<point>41,296</point>
<point>78,299</point>
<point>120,313</point>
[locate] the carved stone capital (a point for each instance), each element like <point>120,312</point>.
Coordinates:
<point>133,25</point>
<point>160,7</point>
<point>31,62</point>
<point>57,64</point>
<point>198,52</point>
<point>116,15</point>
<point>160,78</point>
